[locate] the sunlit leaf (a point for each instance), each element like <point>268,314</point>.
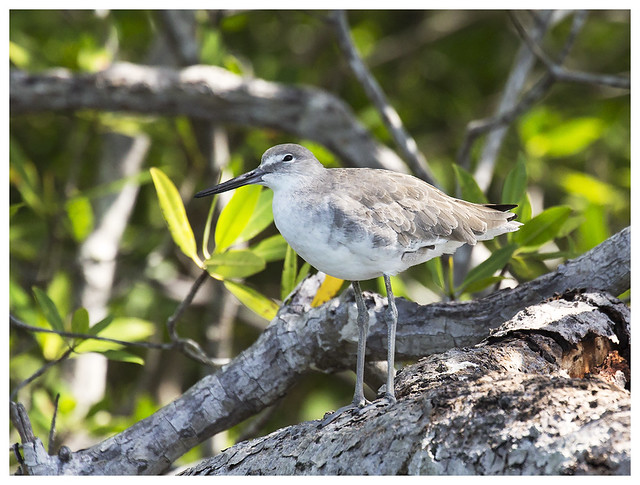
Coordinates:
<point>566,138</point>
<point>487,268</point>
<point>24,175</point>
<point>469,188</point>
<point>80,321</point>
<point>483,283</point>
<point>526,268</point>
<point>435,268</point>
<point>235,216</point>
<point>289,273</point>
<point>14,208</point>
<point>127,329</point>
<point>594,229</point>
<point>175,215</point>
<point>328,289</point>
<point>593,190</point>
<point>123,356</point>
<point>238,263</point>
<point>80,215</point>
<point>49,309</point>
<point>302,274</point>
<point>543,227</point>
<point>262,216</point>
<point>101,325</point>
<point>253,300</point>
<point>272,248</point>
<point>18,55</point>
<point>515,183</point>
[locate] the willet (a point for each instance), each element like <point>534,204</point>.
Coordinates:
<point>359,223</point>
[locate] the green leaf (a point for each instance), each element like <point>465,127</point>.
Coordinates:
<point>49,309</point>
<point>272,248</point>
<point>123,356</point>
<point>234,264</point>
<point>302,274</point>
<point>127,329</point>
<point>566,138</point>
<point>487,268</point>
<point>19,55</point>
<point>483,283</point>
<point>80,215</point>
<point>594,190</point>
<point>24,175</point>
<point>101,325</point>
<point>523,210</point>
<point>594,229</point>
<point>235,216</point>
<point>175,215</point>
<point>469,188</point>
<point>14,208</point>
<point>543,227</point>
<point>254,301</point>
<point>80,321</point>
<point>262,216</point>
<point>527,269</point>
<point>289,273</point>
<point>515,184</point>
<point>437,275</point>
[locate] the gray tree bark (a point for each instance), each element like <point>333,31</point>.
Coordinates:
<point>209,93</point>
<point>539,396</point>
<point>301,339</point>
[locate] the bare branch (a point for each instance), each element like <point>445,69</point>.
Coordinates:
<point>562,74</point>
<point>173,319</point>
<point>209,93</point>
<point>510,111</point>
<point>518,76</point>
<point>389,115</point>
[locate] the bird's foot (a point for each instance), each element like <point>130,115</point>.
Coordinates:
<point>330,418</point>
<point>360,408</point>
<point>384,401</point>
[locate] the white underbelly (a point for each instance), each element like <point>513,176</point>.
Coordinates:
<point>313,237</point>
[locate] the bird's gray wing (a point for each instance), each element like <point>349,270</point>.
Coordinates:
<point>404,210</point>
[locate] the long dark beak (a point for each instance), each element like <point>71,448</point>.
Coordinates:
<point>253,177</point>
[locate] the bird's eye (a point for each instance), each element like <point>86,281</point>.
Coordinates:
<point>287,158</point>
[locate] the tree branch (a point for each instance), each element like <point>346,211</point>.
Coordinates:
<point>562,74</point>
<point>301,339</point>
<point>389,115</point>
<point>524,401</point>
<point>210,93</point>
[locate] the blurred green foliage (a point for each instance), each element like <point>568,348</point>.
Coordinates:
<point>566,162</point>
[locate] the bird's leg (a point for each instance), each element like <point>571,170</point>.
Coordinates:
<point>363,328</point>
<point>391,316</point>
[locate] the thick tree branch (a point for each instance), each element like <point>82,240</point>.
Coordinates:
<point>524,401</point>
<point>302,338</point>
<point>209,93</point>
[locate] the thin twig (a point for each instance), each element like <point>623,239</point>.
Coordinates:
<point>562,74</point>
<point>515,84</point>
<point>39,372</point>
<point>173,319</point>
<point>31,328</point>
<point>389,115</point>
<point>52,430</point>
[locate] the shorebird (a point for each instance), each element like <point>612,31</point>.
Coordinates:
<point>361,223</point>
